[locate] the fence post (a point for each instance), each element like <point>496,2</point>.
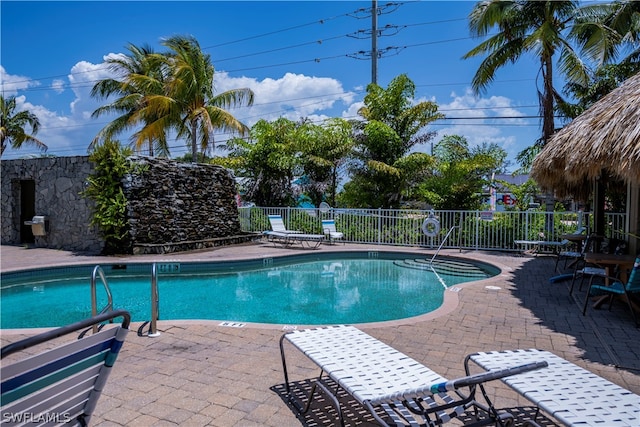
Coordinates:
<point>379,225</point>
<point>477,227</point>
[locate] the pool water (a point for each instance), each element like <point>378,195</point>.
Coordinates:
<point>329,291</point>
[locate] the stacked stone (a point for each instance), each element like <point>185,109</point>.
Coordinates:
<point>180,206</point>
<point>172,206</point>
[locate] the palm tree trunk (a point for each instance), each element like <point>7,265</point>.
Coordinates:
<point>194,143</point>
<point>548,128</point>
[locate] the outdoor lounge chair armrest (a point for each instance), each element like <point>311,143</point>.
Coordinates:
<point>483,377</point>
<point>612,279</point>
<point>599,272</point>
<point>56,333</point>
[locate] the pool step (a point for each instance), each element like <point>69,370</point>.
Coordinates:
<point>442,266</point>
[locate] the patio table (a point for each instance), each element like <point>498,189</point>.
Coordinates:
<point>609,262</point>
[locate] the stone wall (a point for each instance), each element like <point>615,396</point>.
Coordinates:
<point>58,184</point>
<point>171,206</point>
<point>181,206</point>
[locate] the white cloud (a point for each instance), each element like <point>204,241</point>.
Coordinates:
<point>54,132</point>
<point>293,96</point>
<point>11,84</point>
<point>82,77</point>
<point>64,134</point>
<point>58,85</point>
<point>352,111</point>
<point>476,121</point>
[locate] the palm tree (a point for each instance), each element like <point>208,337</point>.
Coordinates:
<point>140,76</point>
<point>604,28</point>
<point>523,26</point>
<point>393,124</point>
<point>605,31</point>
<point>538,27</point>
<point>189,104</point>
<point>12,126</point>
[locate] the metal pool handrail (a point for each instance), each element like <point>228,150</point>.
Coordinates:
<point>155,307</point>
<point>97,271</point>
<point>442,243</point>
<point>155,302</point>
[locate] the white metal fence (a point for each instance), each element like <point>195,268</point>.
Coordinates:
<point>479,230</point>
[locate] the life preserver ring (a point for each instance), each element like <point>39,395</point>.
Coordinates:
<point>431,227</point>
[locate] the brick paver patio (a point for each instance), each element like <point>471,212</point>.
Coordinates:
<point>199,373</point>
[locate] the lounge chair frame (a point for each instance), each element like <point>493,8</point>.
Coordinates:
<point>386,382</point>
<point>329,230</point>
<point>569,393</point>
<point>538,246</point>
<point>280,236</point>
<point>311,241</point>
<point>277,225</point>
<point>61,385</point>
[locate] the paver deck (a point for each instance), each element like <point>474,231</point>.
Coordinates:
<point>199,373</point>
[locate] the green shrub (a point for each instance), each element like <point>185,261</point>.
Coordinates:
<point>105,190</point>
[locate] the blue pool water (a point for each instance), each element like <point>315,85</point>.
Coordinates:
<point>347,288</point>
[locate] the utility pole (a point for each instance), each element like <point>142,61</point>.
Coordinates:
<point>374,41</point>
<point>374,32</point>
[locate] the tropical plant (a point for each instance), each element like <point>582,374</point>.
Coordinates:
<point>526,26</point>
<point>392,125</point>
<point>460,174</point>
<point>604,80</point>
<point>140,76</point>
<point>323,149</point>
<point>606,30</point>
<point>13,124</point>
<point>267,163</point>
<point>169,91</point>
<point>105,189</point>
<point>190,103</point>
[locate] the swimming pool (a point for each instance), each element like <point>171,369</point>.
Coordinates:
<point>333,288</point>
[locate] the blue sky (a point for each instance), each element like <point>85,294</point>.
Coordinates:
<point>301,58</point>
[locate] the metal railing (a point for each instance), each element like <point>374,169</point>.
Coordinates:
<point>443,242</point>
<point>98,272</point>
<point>155,306</point>
<point>478,230</point>
<point>155,302</point>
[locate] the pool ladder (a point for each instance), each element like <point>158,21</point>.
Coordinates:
<point>98,272</point>
<point>155,306</point>
<point>155,301</point>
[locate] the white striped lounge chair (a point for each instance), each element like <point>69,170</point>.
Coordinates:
<point>60,386</point>
<point>329,229</point>
<point>277,225</point>
<point>395,389</point>
<point>573,395</point>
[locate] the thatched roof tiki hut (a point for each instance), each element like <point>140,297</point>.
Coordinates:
<point>602,143</point>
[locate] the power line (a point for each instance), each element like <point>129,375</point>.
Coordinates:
<point>324,99</point>
<point>180,144</point>
<point>351,55</point>
<point>321,21</point>
<point>319,41</point>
